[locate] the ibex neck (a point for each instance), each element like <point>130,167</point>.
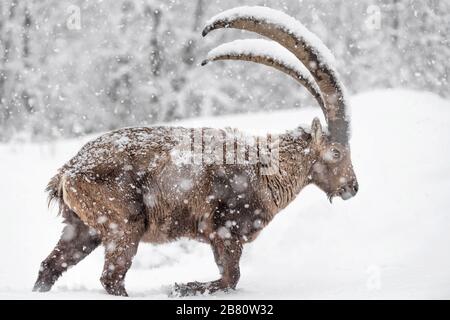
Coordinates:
<point>295,162</point>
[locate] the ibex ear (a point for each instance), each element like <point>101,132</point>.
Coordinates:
<point>316,131</point>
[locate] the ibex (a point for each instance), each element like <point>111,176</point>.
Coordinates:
<point>126,187</point>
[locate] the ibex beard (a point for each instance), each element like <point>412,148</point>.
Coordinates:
<point>158,184</point>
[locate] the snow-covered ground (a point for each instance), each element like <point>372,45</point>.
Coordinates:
<point>390,241</point>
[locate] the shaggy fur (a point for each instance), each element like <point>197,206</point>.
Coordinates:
<point>128,186</point>
<point>120,195</point>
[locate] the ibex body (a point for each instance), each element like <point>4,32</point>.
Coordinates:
<point>127,186</point>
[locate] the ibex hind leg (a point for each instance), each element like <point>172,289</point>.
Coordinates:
<point>119,216</point>
<point>120,248</point>
<point>77,241</point>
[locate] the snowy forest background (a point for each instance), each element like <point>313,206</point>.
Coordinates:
<point>129,62</point>
<point>72,69</point>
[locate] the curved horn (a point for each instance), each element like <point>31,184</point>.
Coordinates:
<point>271,54</point>
<point>309,49</point>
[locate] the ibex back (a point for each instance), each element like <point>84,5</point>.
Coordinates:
<point>133,185</point>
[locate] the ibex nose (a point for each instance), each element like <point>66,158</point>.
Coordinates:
<point>355,188</point>
<point>348,191</point>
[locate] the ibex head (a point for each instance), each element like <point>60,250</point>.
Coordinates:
<point>299,53</point>
<point>332,170</point>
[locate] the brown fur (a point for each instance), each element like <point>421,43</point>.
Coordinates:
<point>112,196</point>
<point>125,187</point>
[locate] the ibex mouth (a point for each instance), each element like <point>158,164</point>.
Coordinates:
<point>342,193</point>
<point>346,195</point>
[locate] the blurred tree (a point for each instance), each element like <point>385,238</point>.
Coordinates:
<point>137,62</point>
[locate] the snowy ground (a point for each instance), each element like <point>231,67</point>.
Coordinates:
<point>391,241</point>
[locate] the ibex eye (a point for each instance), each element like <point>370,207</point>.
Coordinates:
<point>336,153</point>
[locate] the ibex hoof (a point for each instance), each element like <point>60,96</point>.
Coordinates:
<point>114,288</point>
<point>119,291</point>
<point>197,288</point>
<point>42,287</point>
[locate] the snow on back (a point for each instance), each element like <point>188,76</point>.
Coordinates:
<point>265,48</point>
<point>284,21</point>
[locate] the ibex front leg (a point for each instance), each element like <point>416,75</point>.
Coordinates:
<point>227,253</point>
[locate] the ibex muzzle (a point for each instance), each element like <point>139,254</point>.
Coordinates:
<point>125,187</point>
